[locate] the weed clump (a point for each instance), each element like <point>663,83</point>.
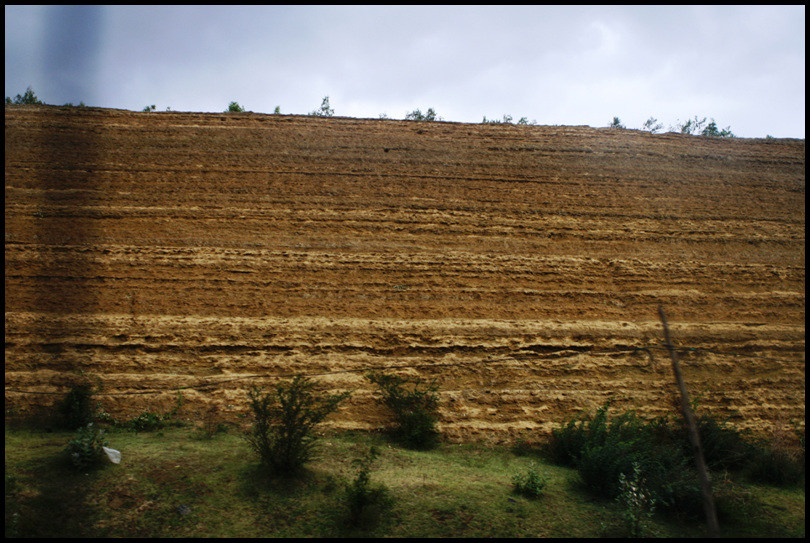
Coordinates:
<point>415,408</point>
<point>530,484</point>
<point>284,420</point>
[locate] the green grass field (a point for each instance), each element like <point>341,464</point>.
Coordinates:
<point>179,482</point>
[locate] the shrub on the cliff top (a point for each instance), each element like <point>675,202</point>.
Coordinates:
<point>27,98</point>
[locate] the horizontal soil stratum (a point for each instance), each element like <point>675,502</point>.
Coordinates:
<point>520,266</point>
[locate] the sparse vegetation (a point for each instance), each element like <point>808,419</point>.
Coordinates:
<point>234,107</point>
<point>149,108</point>
<point>417,115</point>
<point>172,484</point>
<point>652,125</point>
<point>616,123</point>
<point>27,98</point>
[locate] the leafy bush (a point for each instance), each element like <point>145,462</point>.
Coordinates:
<point>282,433</point>
<point>149,108</point>
<point>531,484</point>
<point>234,107</point>
<point>77,409</point>
<point>365,501</point>
<point>415,409</point>
<point>616,123</point>
<point>85,450</point>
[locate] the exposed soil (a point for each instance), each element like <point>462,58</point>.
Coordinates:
<point>520,266</point>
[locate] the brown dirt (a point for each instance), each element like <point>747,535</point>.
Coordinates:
<point>521,266</point>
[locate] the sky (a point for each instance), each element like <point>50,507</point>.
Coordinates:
<point>743,66</point>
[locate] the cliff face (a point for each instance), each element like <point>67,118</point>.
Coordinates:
<point>520,266</point>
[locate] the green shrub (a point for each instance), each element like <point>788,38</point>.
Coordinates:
<point>234,107</point>
<point>364,501</point>
<point>85,450</point>
<point>282,432</point>
<point>531,484</point>
<point>77,409</point>
<point>415,409</point>
<point>605,450</point>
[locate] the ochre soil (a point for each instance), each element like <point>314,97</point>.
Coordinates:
<point>520,266</point>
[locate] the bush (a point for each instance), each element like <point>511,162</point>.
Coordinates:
<point>234,107</point>
<point>415,409</point>
<point>85,450</point>
<point>77,409</point>
<point>530,484</point>
<point>282,433</point>
<point>605,450</point>
<point>364,501</point>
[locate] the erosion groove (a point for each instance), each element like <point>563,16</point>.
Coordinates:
<point>519,266</point>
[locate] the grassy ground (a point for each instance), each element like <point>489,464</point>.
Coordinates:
<point>178,482</point>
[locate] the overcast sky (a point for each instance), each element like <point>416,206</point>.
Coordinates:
<point>744,66</point>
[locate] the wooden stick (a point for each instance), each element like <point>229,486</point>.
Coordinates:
<point>694,437</point>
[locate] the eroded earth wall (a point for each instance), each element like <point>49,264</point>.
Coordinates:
<point>520,266</point>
